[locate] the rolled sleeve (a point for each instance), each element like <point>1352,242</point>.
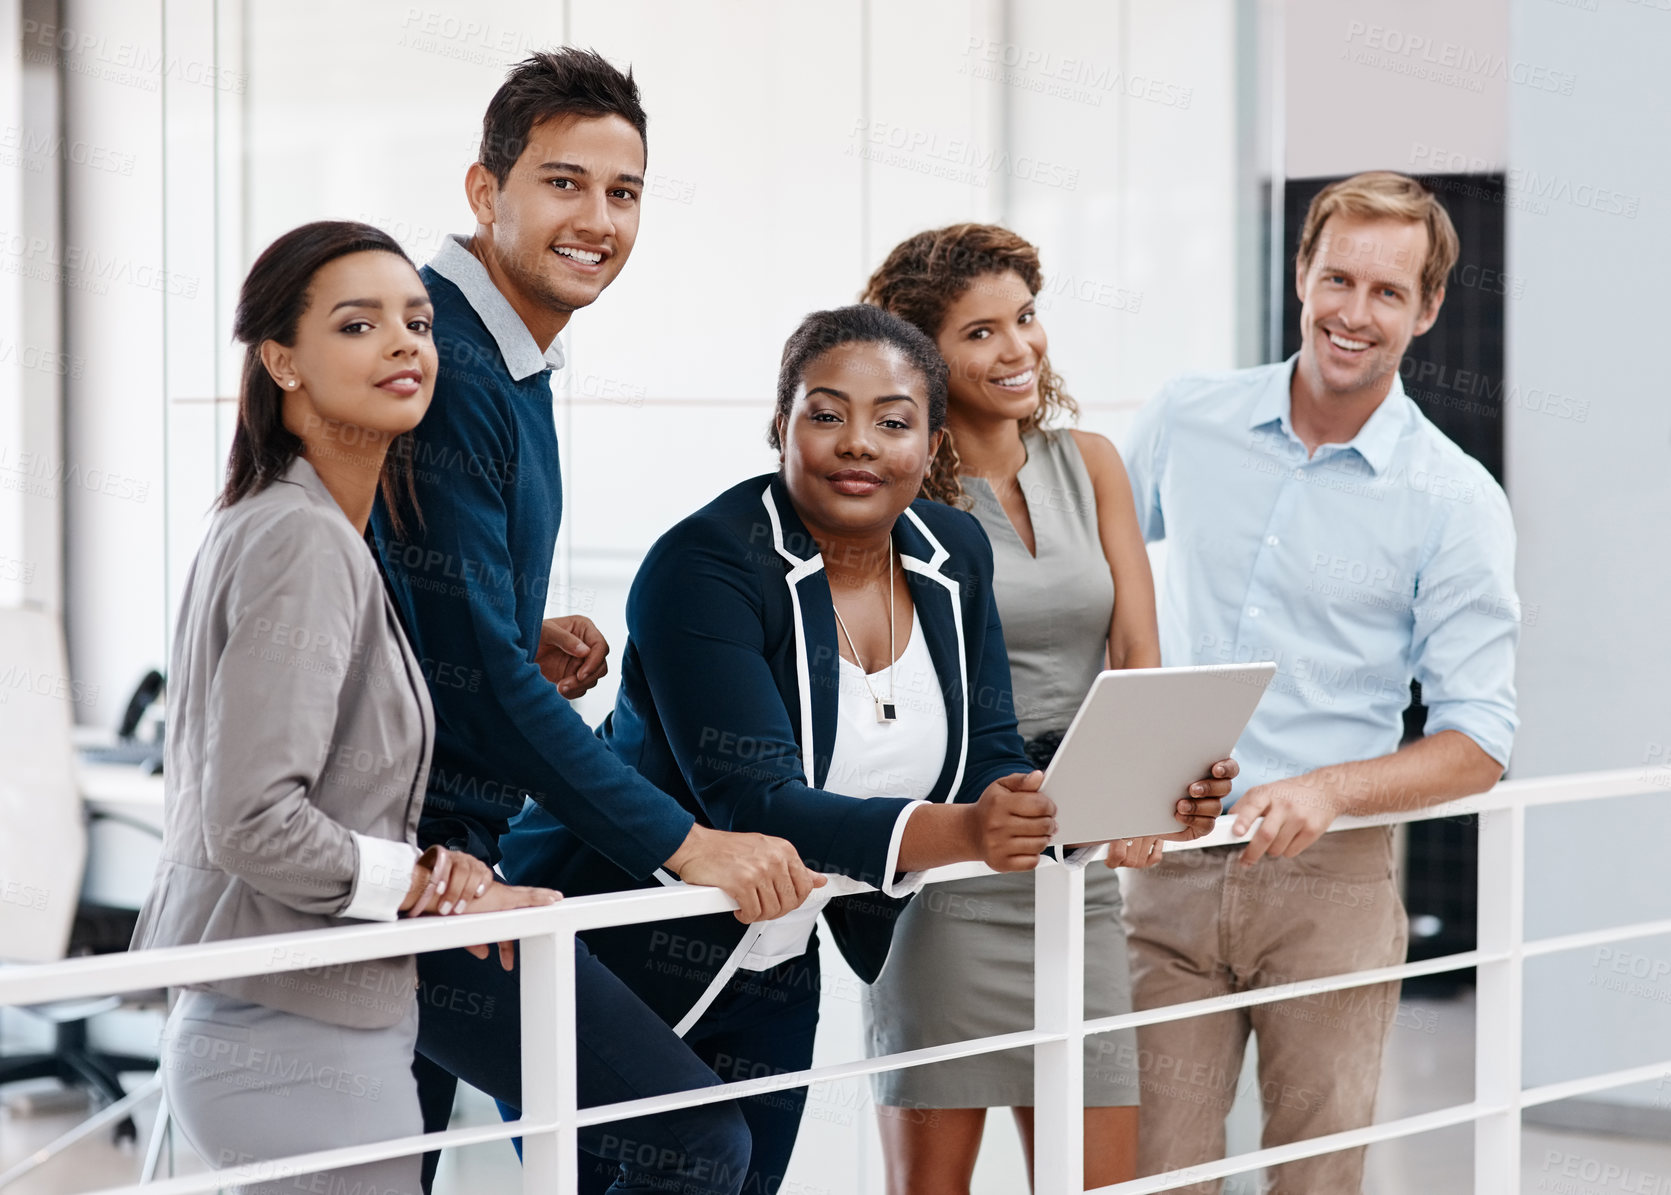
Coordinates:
<point>911,882</point>
<point>382,878</point>
<point>1467,627</point>
<point>896,885</point>
<point>1079,856</point>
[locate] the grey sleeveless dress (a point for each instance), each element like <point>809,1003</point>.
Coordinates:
<point>961,965</point>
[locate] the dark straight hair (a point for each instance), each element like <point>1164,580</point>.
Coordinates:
<point>550,84</point>
<point>270,306</point>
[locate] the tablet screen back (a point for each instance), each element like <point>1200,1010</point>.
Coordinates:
<point>1141,737</point>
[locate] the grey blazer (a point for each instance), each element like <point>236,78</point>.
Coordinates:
<point>299,736</point>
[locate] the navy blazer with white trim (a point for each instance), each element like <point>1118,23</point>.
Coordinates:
<point>729,688</point>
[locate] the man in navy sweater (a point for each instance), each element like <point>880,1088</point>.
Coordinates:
<point>555,194</point>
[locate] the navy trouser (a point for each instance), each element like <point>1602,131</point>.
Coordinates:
<point>470,1028</point>
<point>763,1023</point>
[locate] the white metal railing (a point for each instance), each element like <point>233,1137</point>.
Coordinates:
<point>551,1119</point>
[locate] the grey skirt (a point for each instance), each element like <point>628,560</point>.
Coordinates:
<point>961,966</point>
<point>247,1083</point>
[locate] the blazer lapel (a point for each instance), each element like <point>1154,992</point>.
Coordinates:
<point>939,602</point>
<point>818,659</point>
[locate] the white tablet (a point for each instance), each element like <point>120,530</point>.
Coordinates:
<point>1141,737</point>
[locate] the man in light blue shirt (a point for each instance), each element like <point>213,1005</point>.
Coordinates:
<point>1314,517</point>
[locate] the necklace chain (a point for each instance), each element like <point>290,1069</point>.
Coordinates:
<point>884,706</point>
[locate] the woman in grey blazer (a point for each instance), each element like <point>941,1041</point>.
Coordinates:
<point>301,731</point>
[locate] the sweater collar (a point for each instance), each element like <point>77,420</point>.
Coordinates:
<point>454,262</point>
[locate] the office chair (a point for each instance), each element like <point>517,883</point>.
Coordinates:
<point>41,915</point>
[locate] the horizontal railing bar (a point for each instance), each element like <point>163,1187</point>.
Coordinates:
<point>743,1088</point>
<point>1595,937</point>
<point>330,1159</point>
<point>1574,787</point>
<point>178,966</point>
<point>1276,1155</point>
<point>1548,1093</point>
<point>1540,790</point>
<point>211,961</point>
<point>1371,1134</point>
<point>1290,991</point>
<point>601,1114</point>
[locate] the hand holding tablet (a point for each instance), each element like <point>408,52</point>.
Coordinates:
<point>1141,738</point>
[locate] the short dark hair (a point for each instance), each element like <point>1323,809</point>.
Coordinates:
<point>553,83</point>
<point>859,324</point>
<point>274,297</point>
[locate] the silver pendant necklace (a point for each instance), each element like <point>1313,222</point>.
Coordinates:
<point>884,705</point>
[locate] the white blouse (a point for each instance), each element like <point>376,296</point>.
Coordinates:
<point>902,758</point>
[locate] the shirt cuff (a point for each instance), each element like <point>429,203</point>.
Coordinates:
<point>382,877</point>
<point>1079,856</point>
<point>1490,734</point>
<point>894,884</point>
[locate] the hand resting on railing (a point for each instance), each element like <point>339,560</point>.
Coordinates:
<point>447,883</point>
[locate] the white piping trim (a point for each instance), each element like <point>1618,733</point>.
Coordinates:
<point>940,554</point>
<point>803,680</point>
<point>744,948</point>
<point>931,568</point>
<point>711,993</point>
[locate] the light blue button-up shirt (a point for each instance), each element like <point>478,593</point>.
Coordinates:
<point>1376,561</point>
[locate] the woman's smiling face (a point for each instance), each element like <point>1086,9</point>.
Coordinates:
<point>856,442</point>
<point>364,357</point>
<point>992,340</point>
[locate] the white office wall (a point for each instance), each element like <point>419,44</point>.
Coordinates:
<point>13,169</point>
<point>111,260</point>
<point>1590,481</point>
<point>44,162</point>
<point>1414,85</point>
<point>1134,106</point>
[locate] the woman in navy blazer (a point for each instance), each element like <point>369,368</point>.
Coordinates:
<point>733,699</point>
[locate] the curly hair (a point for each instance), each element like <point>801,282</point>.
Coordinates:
<point>921,279</point>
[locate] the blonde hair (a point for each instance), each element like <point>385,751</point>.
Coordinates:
<point>923,277</point>
<point>1383,194</point>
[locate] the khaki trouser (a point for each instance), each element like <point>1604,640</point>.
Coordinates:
<point>1202,925</point>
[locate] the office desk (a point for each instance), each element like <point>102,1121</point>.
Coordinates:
<point>122,848</point>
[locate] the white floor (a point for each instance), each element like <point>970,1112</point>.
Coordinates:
<point>1429,1065</point>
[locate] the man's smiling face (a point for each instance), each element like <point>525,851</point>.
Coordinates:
<point>1362,303</point>
<point>563,223</point>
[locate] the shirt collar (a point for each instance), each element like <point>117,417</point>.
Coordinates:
<point>454,262</point>
<point>1273,403</point>
<point>1375,440</point>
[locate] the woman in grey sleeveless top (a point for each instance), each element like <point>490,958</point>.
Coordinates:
<point>1058,509</point>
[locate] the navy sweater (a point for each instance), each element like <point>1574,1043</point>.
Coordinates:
<point>470,582</point>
